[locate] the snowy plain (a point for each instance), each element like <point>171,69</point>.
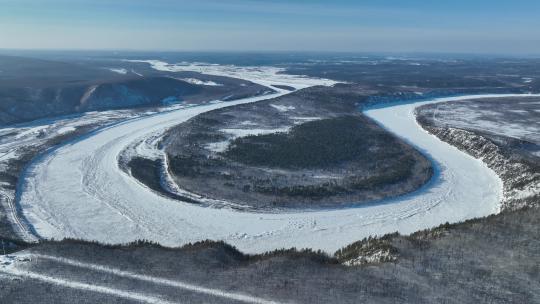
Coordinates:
<point>522,121</point>
<point>263,75</point>
<point>79,191</point>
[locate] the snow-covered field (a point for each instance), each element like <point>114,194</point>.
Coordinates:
<point>201,82</point>
<point>518,119</point>
<point>80,191</point>
<point>263,75</point>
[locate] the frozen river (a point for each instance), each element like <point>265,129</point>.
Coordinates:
<point>79,191</point>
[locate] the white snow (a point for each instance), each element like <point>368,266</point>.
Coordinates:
<point>19,139</point>
<point>79,191</point>
<point>378,256</point>
<point>134,72</point>
<point>66,129</point>
<point>87,94</point>
<point>130,295</point>
<point>146,146</point>
<point>459,115</point>
<point>263,75</point>
<point>303,119</point>
<point>119,71</point>
<point>221,146</point>
<point>31,131</point>
<point>7,155</point>
<point>282,108</point>
<point>201,82</point>
<point>246,132</point>
<point>519,111</point>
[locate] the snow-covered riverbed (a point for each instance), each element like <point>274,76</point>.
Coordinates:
<point>79,191</point>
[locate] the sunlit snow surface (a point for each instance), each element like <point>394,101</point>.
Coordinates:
<point>201,82</point>
<point>521,121</point>
<point>264,75</point>
<point>119,71</point>
<point>79,191</point>
<point>221,146</point>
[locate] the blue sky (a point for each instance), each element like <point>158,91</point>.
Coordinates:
<point>480,26</point>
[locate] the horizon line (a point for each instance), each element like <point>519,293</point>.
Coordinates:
<point>322,52</point>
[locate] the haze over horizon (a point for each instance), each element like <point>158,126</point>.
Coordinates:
<point>461,26</point>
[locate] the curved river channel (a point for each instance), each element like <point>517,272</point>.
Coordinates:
<point>79,191</point>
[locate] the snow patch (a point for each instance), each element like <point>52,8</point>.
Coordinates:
<point>378,256</point>
<point>282,108</point>
<point>31,131</point>
<point>201,82</point>
<point>263,75</point>
<point>221,146</point>
<point>87,94</point>
<point>303,119</point>
<point>4,156</point>
<point>138,74</point>
<point>119,71</point>
<point>218,147</point>
<point>66,130</point>
<point>247,123</point>
<point>246,132</point>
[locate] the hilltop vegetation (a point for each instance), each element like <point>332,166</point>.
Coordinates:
<point>324,152</point>
<point>315,144</point>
